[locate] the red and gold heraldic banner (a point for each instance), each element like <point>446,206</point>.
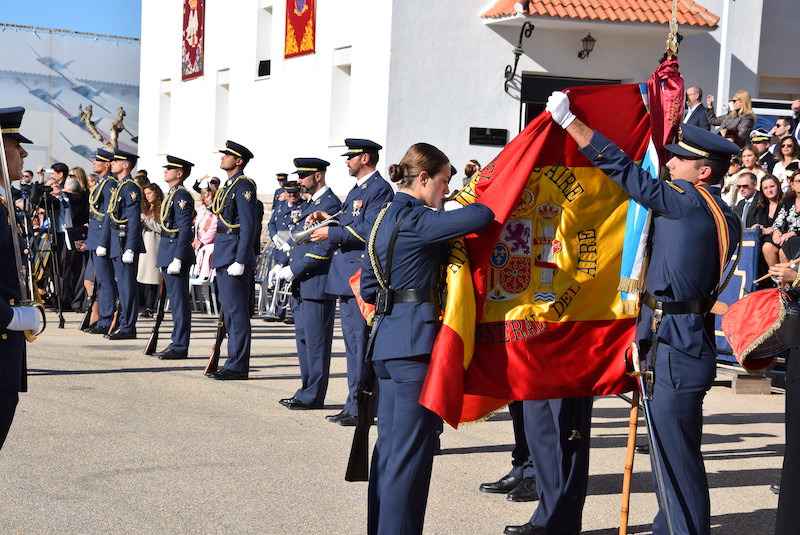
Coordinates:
<point>301,20</point>
<point>193,50</point>
<point>532,308</point>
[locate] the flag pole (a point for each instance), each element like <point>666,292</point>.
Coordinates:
<point>633,424</point>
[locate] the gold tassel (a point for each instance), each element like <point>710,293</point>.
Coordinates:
<point>629,285</point>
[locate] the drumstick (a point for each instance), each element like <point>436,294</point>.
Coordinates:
<point>765,277</point>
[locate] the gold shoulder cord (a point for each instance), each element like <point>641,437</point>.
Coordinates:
<point>94,197</point>
<point>114,202</point>
<point>373,257</point>
<point>219,201</point>
<point>166,208</point>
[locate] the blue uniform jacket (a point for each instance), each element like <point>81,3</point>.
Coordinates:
<point>12,343</point>
<point>419,255</point>
<point>684,263</point>
<point>235,206</point>
<point>359,212</point>
<point>284,217</point>
<point>310,261</point>
<point>125,208</point>
<point>99,232</point>
<point>177,214</point>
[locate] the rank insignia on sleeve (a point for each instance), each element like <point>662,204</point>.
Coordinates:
<point>673,186</point>
<point>182,204</point>
<point>248,195</point>
<point>134,195</point>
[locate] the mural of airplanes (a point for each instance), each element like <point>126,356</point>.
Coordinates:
<point>81,150</point>
<point>46,97</point>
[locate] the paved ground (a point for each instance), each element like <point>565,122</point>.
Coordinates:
<point>111,441</point>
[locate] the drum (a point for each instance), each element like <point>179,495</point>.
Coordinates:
<point>760,326</point>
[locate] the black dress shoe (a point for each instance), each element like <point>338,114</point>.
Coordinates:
<point>171,354</point>
<point>524,492</point>
<point>502,486</point>
<point>271,317</point>
<point>531,529</point>
<point>98,329</point>
<point>297,405</point>
<point>229,375</point>
<point>89,327</point>
<point>146,314</point>
<point>289,321</point>
<point>644,449</point>
<point>118,335</point>
<point>348,421</point>
<point>285,401</point>
<point>338,416</point>
<point>775,488</point>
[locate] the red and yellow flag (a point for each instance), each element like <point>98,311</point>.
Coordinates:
<point>532,306</point>
<point>301,31</point>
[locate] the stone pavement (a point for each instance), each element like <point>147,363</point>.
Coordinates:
<point>109,441</point>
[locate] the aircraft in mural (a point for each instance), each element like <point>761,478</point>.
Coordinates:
<point>81,150</point>
<point>46,97</point>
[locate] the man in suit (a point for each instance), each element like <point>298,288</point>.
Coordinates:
<point>234,257</point>
<point>747,184</point>
<point>13,319</point>
<point>97,238</point>
<point>176,256</point>
<point>349,239</point>
<point>125,241</point>
<point>313,307</point>
<point>695,111</point>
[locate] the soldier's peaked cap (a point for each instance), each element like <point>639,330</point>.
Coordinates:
<point>696,142</point>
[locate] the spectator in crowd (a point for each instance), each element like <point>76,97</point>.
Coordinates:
<point>88,272</point>
<point>75,188</point>
<point>746,184</point>
<point>695,112</point>
<point>782,128</point>
<point>91,181</point>
<point>739,122</point>
<point>205,231</point>
<point>760,140</point>
<point>796,118</point>
<point>141,178</point>
<point>210,182</point>
<point>750,164</point>
<point>788,151</point>
<point>784,243</point>
<point>470,170</point>
<point>148,274</point>
<point>729,182</point>
<point>768,203</point>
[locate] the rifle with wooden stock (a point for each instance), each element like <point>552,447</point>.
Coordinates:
<point>115,319</point>
<point>213,360</point>
<point>358,463</point>
<point>160,306</point>
<point>87,317</point>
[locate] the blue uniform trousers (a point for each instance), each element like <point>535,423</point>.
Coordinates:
<point>788,516</point>
<point>677,409</point>
<point>128,289</point>
<point>355,334</point>
<point>106,288</point>
<point>521,463</point>
<point>402,461</point>
<point>561,464</point>
<point>234,292</point>
<point>8,405</point>
<point>313,324</point>
<point>178,295</point>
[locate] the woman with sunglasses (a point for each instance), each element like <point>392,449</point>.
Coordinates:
<point>784,243</point>
<point>738,122</point>
<point>788,152</point>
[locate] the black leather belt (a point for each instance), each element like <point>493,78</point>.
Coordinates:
<point>416,296</point>
<point>678,307</point>
<point>119,226</point>
<point>228,230</point>
<point>97,217</point>
<point>171,234</point>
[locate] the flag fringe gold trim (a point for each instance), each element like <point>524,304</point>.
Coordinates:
<point>485,417</point>
<point>769,332</point>
<point>629,285</point>
<point>630,307</point>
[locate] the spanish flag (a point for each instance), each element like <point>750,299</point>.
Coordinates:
<point>532,308</point>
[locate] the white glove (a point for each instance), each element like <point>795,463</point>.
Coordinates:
<point>174,267</point>
<point>101,251</point>
<point>236,269</point>
<point>286,274</point>
<point>558,106</point>
<point>272,278</point>
<point>25,319</point>
<point>127,257</point>
<point>286,247</point>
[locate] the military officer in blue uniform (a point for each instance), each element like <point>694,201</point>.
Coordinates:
<point>405,331</point>
<point>360,209</point>
<point>276,197</point>
<point>13,319</point>
<point>234,257</point>
<point>313,307</point>
<point>285,216</point>
<point>682,283</point>
<point>97,238</point>
<point>176,256</point>
<point>124,228</point>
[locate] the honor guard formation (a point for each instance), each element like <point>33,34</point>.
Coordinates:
<point>378,253</point>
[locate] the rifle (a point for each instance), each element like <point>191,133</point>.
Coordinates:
<point>213,360</point>
<point>358,463</point>
<point>115,320</point>
<point>160,306</point>
<point>87,318</point>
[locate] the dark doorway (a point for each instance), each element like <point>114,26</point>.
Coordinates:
<point>536,89</point>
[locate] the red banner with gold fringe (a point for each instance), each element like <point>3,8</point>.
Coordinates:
<point>301,21</point>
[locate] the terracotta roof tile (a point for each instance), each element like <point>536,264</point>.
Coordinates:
<point>690,13</point>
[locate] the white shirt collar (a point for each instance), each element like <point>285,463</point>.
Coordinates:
<point>319,193</point>
<point>360,182</point>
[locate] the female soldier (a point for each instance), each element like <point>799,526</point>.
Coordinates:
<point>404,333</point>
